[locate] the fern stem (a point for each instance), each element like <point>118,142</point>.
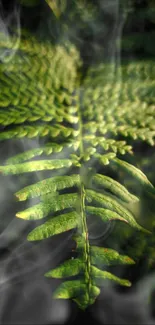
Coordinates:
<point>85,237</point>
<point>84,228</point>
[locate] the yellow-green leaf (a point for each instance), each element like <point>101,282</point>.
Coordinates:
<point>34,166</point>
<point>52,204</point>
<point>107,215</point>
<point>112,204</point>
<point>115,187</point>
<point>48,185</point>
<point>105,159</point>
<point>136,173</point>
<point>68,268</point>
<point>29,154</point>
<point>84,300</point>
<point>70,289</point>
<point>99,276</point>
<point>107,256</point>
<point>54,226</point>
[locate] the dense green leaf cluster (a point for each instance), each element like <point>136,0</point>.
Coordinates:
<point>86,126</point>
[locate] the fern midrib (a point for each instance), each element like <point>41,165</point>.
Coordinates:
<point>86,241</point>
<point>84,228</point>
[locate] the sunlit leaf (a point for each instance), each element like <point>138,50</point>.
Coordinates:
<point>35,165</point>
<point>54,226</point>
<point>52,204</point>
<point>48,185</point>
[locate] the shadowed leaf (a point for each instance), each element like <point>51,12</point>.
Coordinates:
<point>69,268</point>
<point>70,289</point>
<point>106,215</point>
<point>107,256</point>
<point>115,187</point>
<point>136,173</point>
<point>112,204</point>
<point>99,276</point>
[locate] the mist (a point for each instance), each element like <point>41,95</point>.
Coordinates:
<point>26,295</point>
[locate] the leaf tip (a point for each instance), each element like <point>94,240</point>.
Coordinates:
<point>31,237</point>
<point>20,197</point>
<point>18,215</point>
<point>129,260</point>
<point>48,274</point>
<point>127,283</point>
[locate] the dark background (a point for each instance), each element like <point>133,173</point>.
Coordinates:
<point>26,295</point>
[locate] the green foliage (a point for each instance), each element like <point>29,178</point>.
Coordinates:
<point>83,123</point>
<point>115,187</point>
<point>47,186</point>
<point>54,226</point>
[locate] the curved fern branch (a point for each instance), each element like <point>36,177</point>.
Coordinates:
<point>41,96</point>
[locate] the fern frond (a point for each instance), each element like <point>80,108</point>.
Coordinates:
<point>38,131</point>
<point>41,96</point>
<point>48,149</point>
<point>35,165</point>
<point>126,106</point>
<point>47,75</point>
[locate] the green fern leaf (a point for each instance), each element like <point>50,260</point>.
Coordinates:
<point>76,288</point>
<point>100,275</point>
<point>46,186</point>
<point>87,299</point>
<point>49,204</point>
<point>116,146</point>
<point>136,173</point>
<point>69,268</point>
<point>54,226</point>
<point>70,289</point>
<point>35,165</point>
<point>116,188</point>
<point>107,256</point>
<point>48,149</point>
<point>105,159</point>
<point>34,131</point>
<point>114,205</point>
<point>109,215</point>
<point>42,96</point>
